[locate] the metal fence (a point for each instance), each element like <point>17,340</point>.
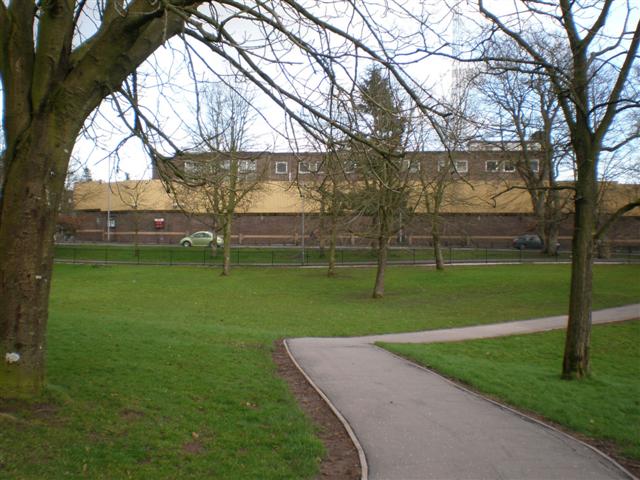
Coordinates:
<point>291,256</point>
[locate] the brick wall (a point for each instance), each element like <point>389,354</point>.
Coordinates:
<point>485,230</point>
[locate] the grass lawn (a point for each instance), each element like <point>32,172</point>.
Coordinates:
<point>524,371</point>
<point>161,372</point>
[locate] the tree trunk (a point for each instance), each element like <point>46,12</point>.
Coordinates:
<point>541,220</point>
<point>32,191</point>
<point>378,289</point>
<point>551,239</point>
<point>226,247</point>
<point>321,230</point>
<point>332,246</point>
<point>553,217</point>
<point>435,235</point>
<point>576,363</point>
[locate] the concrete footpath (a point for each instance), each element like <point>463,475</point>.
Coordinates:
<point>414,424</point>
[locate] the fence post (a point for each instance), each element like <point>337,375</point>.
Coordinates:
<point>520,253</point>
<point>170,257</point>
<point>238,257</point>
<point>106,255</point>
<point>414,255</point>
<point>486,255</point>
<point>74,254</point>
<point>273,256</point>
<point>450,255</point>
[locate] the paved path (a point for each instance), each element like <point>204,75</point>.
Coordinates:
<point>414,424</point>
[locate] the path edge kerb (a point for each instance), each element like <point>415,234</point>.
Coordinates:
<point>516,412</point>
<point>364,467</point>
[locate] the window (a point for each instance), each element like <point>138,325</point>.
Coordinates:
<point>462,166</point>
<point>246,166</point>
<point>491,166</point>
<point>455,166</point>
<point>349,166</point>
<point>412,166</point>
<point>282,168</point>
<point>189,167</point>
<point>308,167</point>
<point>508,167</point>
<point>534,165</point>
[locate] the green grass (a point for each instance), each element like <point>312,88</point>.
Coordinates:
<point>166,372</point>
<point>524,371</point>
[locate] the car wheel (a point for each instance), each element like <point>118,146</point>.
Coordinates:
<point>186,243</point>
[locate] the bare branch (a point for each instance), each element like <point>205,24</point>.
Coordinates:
<point>618,87</point>
<point>614,217</point>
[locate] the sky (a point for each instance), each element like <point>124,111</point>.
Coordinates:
<point>167,90</point>
<point>169,98</point>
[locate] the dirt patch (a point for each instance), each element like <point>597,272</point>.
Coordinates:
<point>341,461</point>
<point>130,415</point>
<point>20,411</point>
<point>193,447</point>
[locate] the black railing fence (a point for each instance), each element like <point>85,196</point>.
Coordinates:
<point>295,256</point>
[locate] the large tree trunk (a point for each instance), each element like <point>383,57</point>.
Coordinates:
<point>29,206</point>
<point>577,343</point>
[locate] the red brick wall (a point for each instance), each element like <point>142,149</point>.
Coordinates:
<point>484,230</point>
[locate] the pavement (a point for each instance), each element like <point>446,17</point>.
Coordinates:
<point>414,424</point>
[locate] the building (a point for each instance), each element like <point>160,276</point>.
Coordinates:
<point>145,212</point>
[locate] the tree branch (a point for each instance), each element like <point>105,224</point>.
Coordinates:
<point>617,89</point>
<point>618,213</point>
<point>55,34</point>
<point>17,68</point>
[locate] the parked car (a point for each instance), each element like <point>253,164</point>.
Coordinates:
<point>201,239</point>
<point>528,241</point>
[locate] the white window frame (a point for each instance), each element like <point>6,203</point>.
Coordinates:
<point>412,166</point>
<point>459,166</point>
<point>280,164</point>
<point>247,166</point>
<point>511,165</point>
<point>309,167</point>
<point>495,162</point>
<point>455,166</point>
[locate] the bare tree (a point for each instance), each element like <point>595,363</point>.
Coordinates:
<point>132,193</point>
<point>328,187</point>
<point>602,39</point>
<point>522,110</point>
<point>226,176</point>
<point>438,181</point>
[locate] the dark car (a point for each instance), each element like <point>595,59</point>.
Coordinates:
<point>528,241</point>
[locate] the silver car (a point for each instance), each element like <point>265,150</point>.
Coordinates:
<point>201,239</point>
